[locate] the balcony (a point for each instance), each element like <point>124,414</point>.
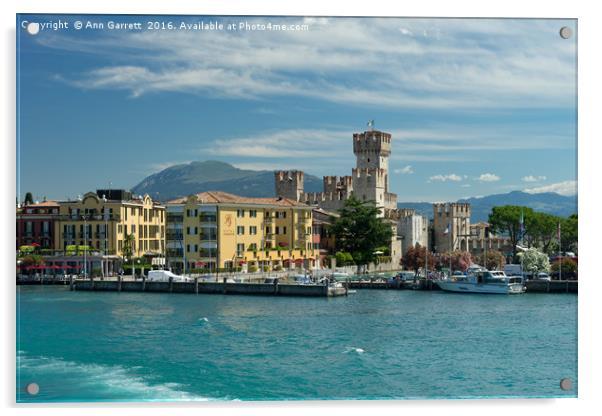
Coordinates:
<point>174,236</point>
<point>208,219</point>
<point>208,236</point>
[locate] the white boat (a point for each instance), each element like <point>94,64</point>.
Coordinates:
<point>165,275</point>
<point>340,275</point>
<point>483,281</point>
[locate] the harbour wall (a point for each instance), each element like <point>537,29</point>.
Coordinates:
<point>277,289</point>
<point>533,286</point>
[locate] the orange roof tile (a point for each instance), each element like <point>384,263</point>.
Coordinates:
<point>219,197</point>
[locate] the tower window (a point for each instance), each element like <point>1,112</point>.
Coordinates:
<point>368,160</point>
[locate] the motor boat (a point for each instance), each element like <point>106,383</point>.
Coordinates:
<point>166,276</point>
<point>483,281</point>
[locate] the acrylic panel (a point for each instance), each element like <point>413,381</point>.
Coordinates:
<point>295,208</point>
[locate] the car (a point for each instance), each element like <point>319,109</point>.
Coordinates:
<point>543,276</point>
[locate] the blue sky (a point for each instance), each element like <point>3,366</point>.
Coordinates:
<point>475,107</point>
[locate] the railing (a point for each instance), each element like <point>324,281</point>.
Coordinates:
<point>95,217</point>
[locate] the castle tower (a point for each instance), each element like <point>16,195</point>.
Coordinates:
<point>372,150</point>
<point>454,219</point>
<point>289,184</point>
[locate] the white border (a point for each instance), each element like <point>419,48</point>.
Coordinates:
<point>589,171</point>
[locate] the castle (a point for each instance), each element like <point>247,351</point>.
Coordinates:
<point>369,180</point>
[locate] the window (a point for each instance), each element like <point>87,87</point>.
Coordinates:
<point>253,246</point>
<point>240,213</point>
<point>283,230</point>
<point>240,230</point>
<point>253,230</point>
<point>277,230</point>
<point>268,230</point>
<point>240,249</point>
<point>253,213</point>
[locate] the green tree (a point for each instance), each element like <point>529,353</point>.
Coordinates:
<point>28,198</point>
<point>506,220</point>
<point>569,233</point>
<point>534,261</point>
<point>542,229</point>
<point>344,258</point>
<point>359,231</point>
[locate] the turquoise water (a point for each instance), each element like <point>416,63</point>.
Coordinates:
<point>86,346</point>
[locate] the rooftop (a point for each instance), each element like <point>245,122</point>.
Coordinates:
<point>219,197</point>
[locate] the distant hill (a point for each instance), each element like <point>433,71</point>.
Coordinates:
<point>191,178</point>
<point>549,202</point>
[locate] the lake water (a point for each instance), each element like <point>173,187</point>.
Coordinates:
<point>93,346</point>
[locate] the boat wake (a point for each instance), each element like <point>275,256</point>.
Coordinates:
<point>62,380</point>
<point>353,349</point>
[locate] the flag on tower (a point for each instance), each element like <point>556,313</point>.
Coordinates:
<point>447,229</point>
<point>371,124</point>
<point>522,223</point>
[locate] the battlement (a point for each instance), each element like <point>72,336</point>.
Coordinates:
<point>405,212</point>
<point>372,142</point>
<point>338,184</point>
<point>289,175</point>
<point>289,183</point>
<point>453,209</point>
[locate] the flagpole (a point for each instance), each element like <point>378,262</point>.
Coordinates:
<point>559,254</point>
<point>450,247</point>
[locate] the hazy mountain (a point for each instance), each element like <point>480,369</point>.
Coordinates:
<point>549,202</point>
<point>191,178</point>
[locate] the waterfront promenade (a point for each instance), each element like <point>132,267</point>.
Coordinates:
<point>254,285</point>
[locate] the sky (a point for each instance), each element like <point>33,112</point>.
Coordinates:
<point>475,106</point>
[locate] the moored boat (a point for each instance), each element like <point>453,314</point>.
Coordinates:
<point>483,281</point>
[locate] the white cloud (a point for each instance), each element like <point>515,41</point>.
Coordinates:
<point>407,170</point>
<point>460,64</point>
<point>291,143</point>
<point>566,188</point>
<point>444,178</point>
<point>532,178</point>
<point>488,177</point>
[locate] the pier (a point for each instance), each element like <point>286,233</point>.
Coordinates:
<point>533,286</point>
<point>196,287</point>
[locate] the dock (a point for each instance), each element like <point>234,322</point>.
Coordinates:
<point>533,286</point>
<point>196,287</point>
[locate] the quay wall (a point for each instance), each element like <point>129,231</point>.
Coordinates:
<point>208,287</point>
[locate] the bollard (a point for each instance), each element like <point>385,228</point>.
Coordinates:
<point>119,283</point>
<point>346,287</point>
<point>224,289</point>
<point>71,285</point>
<point>170,284</point>
<point>92,283</point>
<point>143,283</point>
<point>196,285</point>
<point>276,286</point>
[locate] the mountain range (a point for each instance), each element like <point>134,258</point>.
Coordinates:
<point>549,202</point>
<point>194,177</point>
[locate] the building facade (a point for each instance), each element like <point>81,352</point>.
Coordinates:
<point>218,230</point>
<point>35,224</point>
<point>451,227</point>
<point>104,221</point>
<point>412,230</point>
<point>482,240</point>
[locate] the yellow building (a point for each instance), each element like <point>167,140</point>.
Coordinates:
<point>102,220</point>
<point>218,229</point>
